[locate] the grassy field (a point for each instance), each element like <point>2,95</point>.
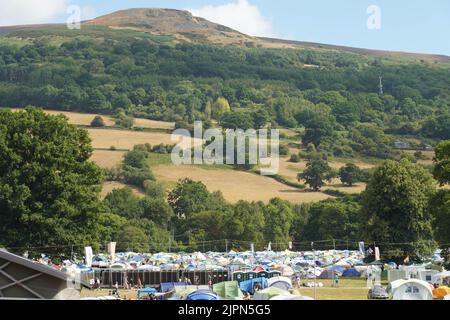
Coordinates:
<point>236,185</point>
<point>85,119</point>
<point>107,158</point>
<point>127,139</point>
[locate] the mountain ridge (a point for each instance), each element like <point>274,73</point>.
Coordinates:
<point>185,27</point>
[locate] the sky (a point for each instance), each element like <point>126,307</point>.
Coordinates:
<point>401,25</point>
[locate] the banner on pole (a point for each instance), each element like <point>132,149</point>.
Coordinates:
<point>377,254</point>
<point>252,247</point>
<point>361,247</point>
<point>112,250</point>
<point>88,256</point>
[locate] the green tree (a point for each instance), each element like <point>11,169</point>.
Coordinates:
<point>133,238</point>
<point>317,172</point>
<point>333,219</point>
<point>237,119</point>
<point>396,208</point>
<point>278,221</point>
<point>440,204</point>
<point>154,189</point>
<point>188,197</point>
<point>49,190</point>
<point>220,107</point>
<point>442,162</point>
<point>124,203</point>
<point>98,122</point>
<point>350,174</point>
<point>156,210</point>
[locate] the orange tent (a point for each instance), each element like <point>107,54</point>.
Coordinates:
<point>441,292</point>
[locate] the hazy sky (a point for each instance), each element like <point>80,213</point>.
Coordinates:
<point>405,25</point>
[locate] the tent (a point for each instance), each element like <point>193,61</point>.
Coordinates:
<point>412,289</point>
<point>338,269</point>
<point>441,292</point>
<point>447,297</point>
<point>269,293</point>
<point>169,286</point>
<point>291,297</point>
<point>327,274</point>
<point>280,282</point>
<point>228,290</point>
<point>249,285</point>
<point>202,295</point>
<point>351,273</point>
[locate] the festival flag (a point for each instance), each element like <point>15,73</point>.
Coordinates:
<point>361,247</point>
<point>377,254</point>
<point>88,256</point>
<point>290,245</point>
<point>269,247</point>
<point>112,250</point>
<point>252,247</point>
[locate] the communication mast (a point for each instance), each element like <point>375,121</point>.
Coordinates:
<point>380,85</point>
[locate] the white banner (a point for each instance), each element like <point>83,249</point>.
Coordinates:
<point>269,247</point>
<point>290,245</point>
<point>377,254</point>
<point>361,247</point>
<point>88,256</point>
<point>252,247</point>
<point>112,250</point>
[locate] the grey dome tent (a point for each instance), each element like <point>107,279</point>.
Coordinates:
<point>327,274</point>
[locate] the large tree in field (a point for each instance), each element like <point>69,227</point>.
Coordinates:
<point>396,208</point>
<point>48,187</point>
<point>317,172</point>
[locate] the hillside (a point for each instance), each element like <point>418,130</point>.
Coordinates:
<point>182,27</point>
<point>180,24</point>
<point>166,65</point>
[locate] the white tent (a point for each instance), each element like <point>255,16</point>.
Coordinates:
<point>447,297</point>
<point>412,289</point>
<point>280,282</point>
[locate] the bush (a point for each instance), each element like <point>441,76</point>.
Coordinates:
<point>295,158</point>
<point>154,189</point>
<point>98,122</point>
<point>284,150</point>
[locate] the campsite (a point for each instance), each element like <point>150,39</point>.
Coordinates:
<point>265,275</point>
<point>238,151</point>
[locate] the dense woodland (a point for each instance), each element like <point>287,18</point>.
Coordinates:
<point>333,95</point>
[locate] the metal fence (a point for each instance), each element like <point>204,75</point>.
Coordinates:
<point>147,278</point>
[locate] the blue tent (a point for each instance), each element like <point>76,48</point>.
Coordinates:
<point>147,290</point>
<point>249,285</point>
<point>337,268</point>
<point>202,295</point>
<point>351,273</point>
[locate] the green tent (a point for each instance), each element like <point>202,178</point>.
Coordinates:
<point>228,290</point>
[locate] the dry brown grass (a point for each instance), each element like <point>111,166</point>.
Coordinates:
<point>290,170</point>
<point>113,185</point>
<point>106,158</point>
<point>85,119</point>
<point>126,139</point>
<point>237,185</point>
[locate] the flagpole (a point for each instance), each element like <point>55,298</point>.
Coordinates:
<point>314,254</point>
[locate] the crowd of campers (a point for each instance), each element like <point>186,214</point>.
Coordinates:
<point>256,275</point>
